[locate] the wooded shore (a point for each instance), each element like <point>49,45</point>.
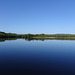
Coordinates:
<point>45,36</point>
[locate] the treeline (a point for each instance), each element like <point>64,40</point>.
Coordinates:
<point>55,35</point>
<point>48,35</point>
<point>9,35</point>
<point>13,35</point>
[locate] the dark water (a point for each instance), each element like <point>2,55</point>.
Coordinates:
<point>49,57</point>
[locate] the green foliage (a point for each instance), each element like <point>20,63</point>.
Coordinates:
<point>13,35</point>
<point>9,35</point>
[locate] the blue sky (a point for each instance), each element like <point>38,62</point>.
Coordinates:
<point>37,16</point>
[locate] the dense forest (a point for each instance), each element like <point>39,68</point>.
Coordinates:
<point>9,35</point>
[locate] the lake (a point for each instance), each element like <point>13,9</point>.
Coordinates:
<point>37,57</point>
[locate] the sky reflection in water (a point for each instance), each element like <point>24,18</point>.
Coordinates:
<point>37,57</point>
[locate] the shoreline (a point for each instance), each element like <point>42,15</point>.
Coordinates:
<point>53,37</point>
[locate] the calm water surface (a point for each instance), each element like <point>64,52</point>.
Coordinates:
<point>49,57</point>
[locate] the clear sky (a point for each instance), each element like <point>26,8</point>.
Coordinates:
<point>37,16</point>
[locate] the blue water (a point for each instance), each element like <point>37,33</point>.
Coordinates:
<point>49,57</point>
